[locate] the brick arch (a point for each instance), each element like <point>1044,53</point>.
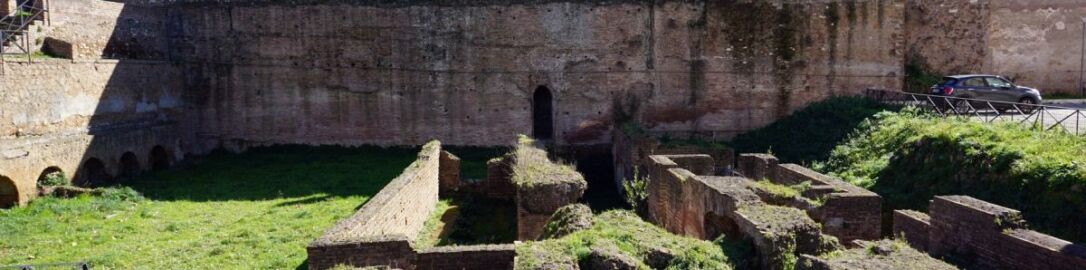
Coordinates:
<point>51,171</point>
<point>9,193</point>
<point>93,172</point>
<point>130,165</point>
<point>159,158</point>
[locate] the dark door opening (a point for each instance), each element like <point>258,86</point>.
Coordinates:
<point>9,195</point>
<point>596,163</point>
<point>94,174</point>
<point>542,114</point>
<point>160,159</point>
<point>130,165</point>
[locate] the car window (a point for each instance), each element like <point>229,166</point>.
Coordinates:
<point>948,81</point>
<point>974,82</point>
<point>997,82</point>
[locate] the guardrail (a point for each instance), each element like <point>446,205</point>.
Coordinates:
<point>1040,117</point>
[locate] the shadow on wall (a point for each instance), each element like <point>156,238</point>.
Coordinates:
<point>133,100</point>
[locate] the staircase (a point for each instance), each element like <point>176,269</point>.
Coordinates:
<point>15,27</point>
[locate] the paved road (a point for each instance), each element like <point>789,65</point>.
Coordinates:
<point>1072,119</point>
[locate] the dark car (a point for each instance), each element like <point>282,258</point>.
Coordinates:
<point>987,87</point>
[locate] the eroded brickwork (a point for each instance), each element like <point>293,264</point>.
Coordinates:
<point>976,234</point>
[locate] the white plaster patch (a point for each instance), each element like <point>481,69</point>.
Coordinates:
<point>1060,26</point>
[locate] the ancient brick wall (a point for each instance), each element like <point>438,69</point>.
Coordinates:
<point>363,72</point>
<point>482,257</point>
<point>59,114</point>
<point>845,211</point>
<point>1034,42</point>
<point>973,233</point>
<point>381,232</point>
<point>707,207</point>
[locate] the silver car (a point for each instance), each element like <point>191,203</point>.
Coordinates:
<point>987,87</point>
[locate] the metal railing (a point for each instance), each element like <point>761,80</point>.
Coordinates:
<point>17,24</point>
<point>1036,116</point>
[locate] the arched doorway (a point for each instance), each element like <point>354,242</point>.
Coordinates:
<point>93,173</point>
<point>160,159</point>
<point>9,195</point>
<point>542,114</point>
<point>52,176</point>
<point>130,165</point>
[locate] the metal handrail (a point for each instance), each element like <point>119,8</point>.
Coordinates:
<point>1037,116</point>
<point>18,24</point>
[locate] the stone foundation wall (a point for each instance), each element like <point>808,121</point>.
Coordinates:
<point>974,233</point>
<point>381,232</point>
<point>845,211</point>
<point>914,226</point>
<point>60,114</point>
<point>542,186</point>
<point>707,207</point>
<point>484,257</point>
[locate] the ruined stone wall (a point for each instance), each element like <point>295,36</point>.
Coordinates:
<point>107,29</point>
<point>707,207</point>
<point>977,234</point>
<point>1037,43</point>
<point>542,187</point>
<point>381,231</point>
<point>845,211</point>
<point>59,113</point>
<point>402,73</point>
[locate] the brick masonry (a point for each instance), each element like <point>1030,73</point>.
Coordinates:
<point>844,210</point>
<point>709,206</point>
<point>542,186</point>
<point>977,234</point>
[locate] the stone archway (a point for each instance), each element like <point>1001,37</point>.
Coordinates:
<point>93,173</point>
<point>160,158</point>
<point>9,193</point>
<point>542,114</point>
<point>130,165</point>
<point>52,176</point>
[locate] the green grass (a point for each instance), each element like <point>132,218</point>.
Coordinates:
<point>467,220</point>
<point>631,235</point>
<point>810,134</point>
<point>908,157</point>
<point>256,210</point>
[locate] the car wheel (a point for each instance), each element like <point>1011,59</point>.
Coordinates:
<point>1027,105</point>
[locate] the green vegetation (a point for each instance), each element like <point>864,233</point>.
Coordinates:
<point>54,178</point>
<point>467,220</point>
<point>566,220</point>
<point>636,190</point>
<point>809,135</point>
<point>534,168</point>
<point>256,210</point>
<point>632,237</point>
<point>884,254</point>
<point>908,157</point>
<point>782,193</point>
<point>1056,96</point>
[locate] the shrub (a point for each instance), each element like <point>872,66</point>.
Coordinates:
<point>908,157</point>
<point>55,178</point>
<point>636,189</point>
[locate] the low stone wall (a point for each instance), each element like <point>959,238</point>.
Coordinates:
<point>449,175</point>
<point>542,186</point>
<point>481,257</point>
<point>844,210</point>
<point>381,232</point>
<point>883,255</point>
<point>981,235</point>
<point>709,206</point>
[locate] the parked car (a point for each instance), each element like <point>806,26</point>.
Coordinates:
<point>987,87</point>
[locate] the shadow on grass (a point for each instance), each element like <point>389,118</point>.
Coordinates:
<point>309,173</point>
<point>474,221</point>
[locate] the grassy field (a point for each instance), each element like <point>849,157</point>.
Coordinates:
<point>256,210</point>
